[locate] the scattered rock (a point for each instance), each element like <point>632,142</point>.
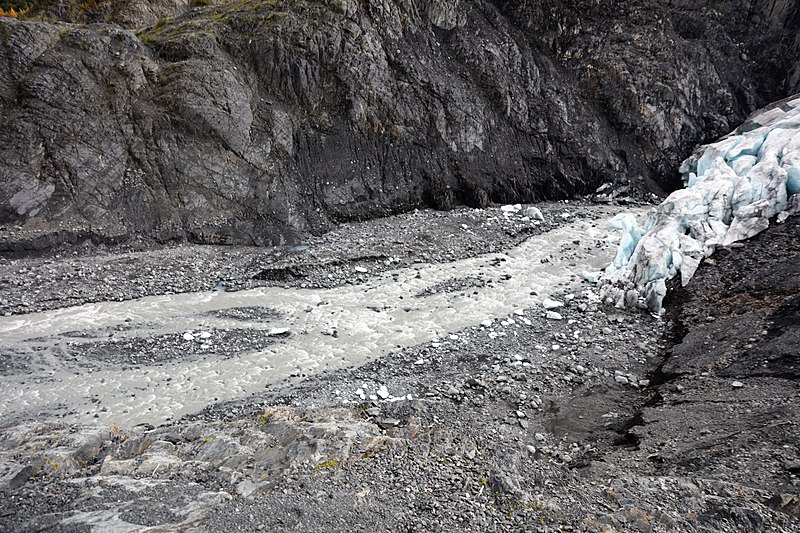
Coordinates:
<point>534,213</point>
<point>547,303</point>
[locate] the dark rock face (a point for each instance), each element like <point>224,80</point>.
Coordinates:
<point>257,121</point>
<point>726,396</point>
<point>125,13</point>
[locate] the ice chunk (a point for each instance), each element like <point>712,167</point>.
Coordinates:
<point>733,188</point>
<point>631,233</point>
<point>742,165</point>
<point>591,276</point>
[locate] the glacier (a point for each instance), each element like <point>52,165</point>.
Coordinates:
<point>733,188</point>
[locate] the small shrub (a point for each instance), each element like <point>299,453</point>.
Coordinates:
<point>332,463</point>
<point>15,8</point>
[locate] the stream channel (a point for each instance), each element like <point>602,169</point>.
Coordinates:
<point>300,332</point>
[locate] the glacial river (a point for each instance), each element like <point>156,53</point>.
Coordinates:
<point>371,319</point>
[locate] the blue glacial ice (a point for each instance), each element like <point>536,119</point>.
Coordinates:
<point>733,188</point>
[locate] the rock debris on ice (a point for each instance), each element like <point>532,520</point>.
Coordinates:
<point>733,188</point>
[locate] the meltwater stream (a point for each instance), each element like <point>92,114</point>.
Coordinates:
<point>384,314</point>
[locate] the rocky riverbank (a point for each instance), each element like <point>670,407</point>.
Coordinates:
<point>82,273</point>
<point>600,420</point>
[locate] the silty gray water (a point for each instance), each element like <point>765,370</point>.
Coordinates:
<point>369,319</point>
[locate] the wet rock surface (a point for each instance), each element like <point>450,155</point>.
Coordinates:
<point>259,122</point>
<point>599,421</point>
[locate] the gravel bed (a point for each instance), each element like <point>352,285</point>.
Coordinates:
<point>580,417</point>
<point>83,274</point>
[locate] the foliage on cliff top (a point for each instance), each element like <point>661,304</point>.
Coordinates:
<point>16,5</point>
<point>253,13</point>
<point>15,8</point>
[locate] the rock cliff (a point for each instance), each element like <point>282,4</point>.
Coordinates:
<point>259,120</point>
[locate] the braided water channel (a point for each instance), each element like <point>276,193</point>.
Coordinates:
<point>80,363</point>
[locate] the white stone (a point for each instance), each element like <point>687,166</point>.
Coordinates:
<point>551,304</point>
<point>592,277</point>
<point>552,315</point>
<point>534,213</point>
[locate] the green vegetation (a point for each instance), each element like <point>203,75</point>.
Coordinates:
<point>49,462</point>
<point>244,16</point>
<point>48,9</point>
<point>332,463</point>
<point>17,5</point>
<point>15,9</point>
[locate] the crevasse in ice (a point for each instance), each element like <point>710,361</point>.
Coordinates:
<point>733,188</point>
